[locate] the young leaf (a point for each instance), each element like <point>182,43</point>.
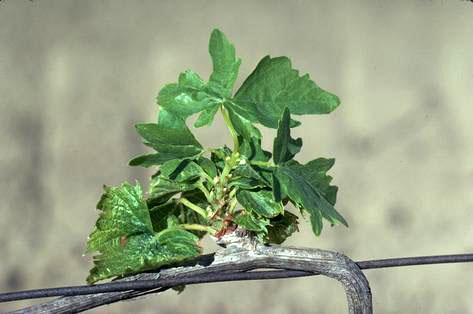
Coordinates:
<point>251,223</point>
<point>208,166</point>
<point>273,85</point>
<point>225,64</point>
<point>159,137</point>
<point>260,202</point>
<point>247,171</point>
<point>285,147</point>
<point>181,170</point>
<point>206,117</point>
<point>129,237</point>
<point>301,192</point>
<point>162,189</point>
<point>125,239</point>
<point>149,160</point>
<point>252,150</point>
<point>170,143</point>
<point>315,172</point>
<point>187,97</point>
<point>160,213</point>
<point>123,212</point>
<point>242,125</point>
<point>219,155</point>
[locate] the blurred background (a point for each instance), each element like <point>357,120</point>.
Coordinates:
<point>75,76</point>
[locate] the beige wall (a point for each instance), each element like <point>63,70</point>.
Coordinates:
<point>76,75</point>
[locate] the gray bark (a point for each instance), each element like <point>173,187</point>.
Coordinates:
<point>238,256</point>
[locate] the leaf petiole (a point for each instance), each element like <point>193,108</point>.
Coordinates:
<point>203,189</point>
<point>199,210</point>
<point>231,128</point>
<point>268,164</point>
<point>197,227</point>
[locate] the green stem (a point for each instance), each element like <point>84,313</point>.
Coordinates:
<point>230,162</point>
<point>204,190</point>
<point>231,128</point>
<point>262,163</point>
<point>198,227</point>
<point>199,210</point>
<point>207,177</point>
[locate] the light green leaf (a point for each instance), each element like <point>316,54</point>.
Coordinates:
<point>251,223</point>
<point>225,64</point>
<point>179,241</point>
<point>260,202</point>
<point>273,85</point>
<point>125,240</point>
<point>187,97</point>
<point>285,147</point>
<point>123,211</point>
<point>206,117</point>
<point>144,251</point>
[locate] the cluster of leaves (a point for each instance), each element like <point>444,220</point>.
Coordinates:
<point>198,191</point>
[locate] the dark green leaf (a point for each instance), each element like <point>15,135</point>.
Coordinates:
<point>273,85</point>
<point>247,171</point>
<point>316,221</point>
<point>158,136</point>
<point>179,289</point>
<point>277,192</point>
<point>181,170</point>
<point>218,156</point>
<point>246,183</point>
<point>315,172</point>
<point>243,126</point>
<point>170,143</point>
<point>160,213</point>
<point>282,226</point>
<point>248,177</point>
<point>252,150</point>
<point>162,188</point>
<point>150,160</point>
<point>225,64</point>
<point>285,147</point>
<point>299,190</point>
<point>260,202</point>
<point>208,166</point>
<point>182,214</point>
